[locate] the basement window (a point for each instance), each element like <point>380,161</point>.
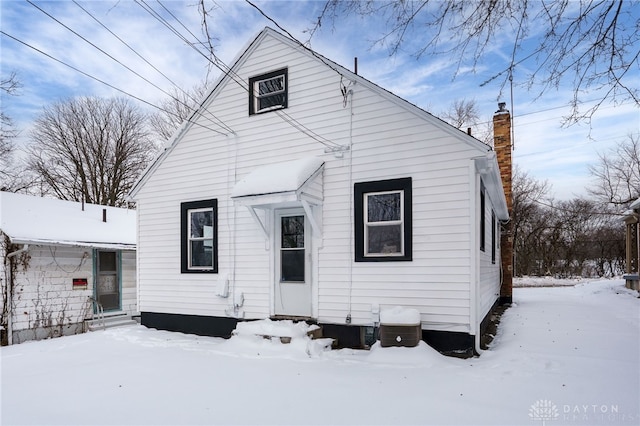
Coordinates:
<point>199,232</point>
<point>383,230</point>
<point>268,92</point>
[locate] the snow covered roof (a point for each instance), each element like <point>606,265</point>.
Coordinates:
<point>26,219</point>
<point>288,176</point>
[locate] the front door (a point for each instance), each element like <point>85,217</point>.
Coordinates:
<point>108,280</point>
<point>292,258</point>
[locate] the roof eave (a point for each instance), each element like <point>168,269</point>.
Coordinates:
<point>66,243</point>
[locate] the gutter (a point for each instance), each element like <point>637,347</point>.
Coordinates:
<point>10,292</point>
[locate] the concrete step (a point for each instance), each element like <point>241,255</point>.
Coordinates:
<point>284,329</point>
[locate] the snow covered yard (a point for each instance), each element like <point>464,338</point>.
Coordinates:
<point>562,356</point>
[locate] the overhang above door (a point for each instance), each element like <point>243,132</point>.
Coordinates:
<point>294,183</point>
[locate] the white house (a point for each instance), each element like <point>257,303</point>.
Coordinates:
<point>61,262</point>
<point>300,189</point>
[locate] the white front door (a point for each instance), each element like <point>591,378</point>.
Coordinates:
<point>293,266</point>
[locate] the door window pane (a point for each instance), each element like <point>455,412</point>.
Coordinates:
<point>292,262</point>
<point>293,232</point>
<point>107,261</point>
<point>292,253</point>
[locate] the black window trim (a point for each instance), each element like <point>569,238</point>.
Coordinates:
<point>272,74</point>
<point>184,231</point>
<point>362,188</point>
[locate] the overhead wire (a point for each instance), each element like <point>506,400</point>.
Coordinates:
<point>550,109</point>
<point>171,28</point>
<point>282,113</point>
<point>77,69</point>
<point>100,80</point>
<point>567,210</point>
<point>281,28</point>
<point>180,22</point>
<point>228,71</point>
<point>96,47</point>
<point>509,70</point>
<point>125,43</point>
<point>174,84</point>
<point>116,60</point>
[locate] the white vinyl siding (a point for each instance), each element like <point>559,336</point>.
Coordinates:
<point>388,141</point>
<point>489,289</point>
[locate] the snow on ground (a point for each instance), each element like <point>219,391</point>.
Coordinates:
<point>562,356</point>
<point>527,281</point>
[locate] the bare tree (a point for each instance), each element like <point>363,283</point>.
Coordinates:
<point>90,149</point>
<point>176,109</point>
<point>13,178</point>
<point>617,174</point>
<point>530,220</point>
<point>607,247</point>
<point>8,86</point>
<point>576,237</point>
<point>462,113</point>
<point>591,45</point>
<point>7,134</point>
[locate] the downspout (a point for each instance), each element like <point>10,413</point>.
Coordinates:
<point>10,292</point>
<point>474,326</point>
<point>351,206</point>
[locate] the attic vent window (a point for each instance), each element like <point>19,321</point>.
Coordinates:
<point>268,92</point>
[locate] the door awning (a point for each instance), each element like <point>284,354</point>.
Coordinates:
<point>281,184</point>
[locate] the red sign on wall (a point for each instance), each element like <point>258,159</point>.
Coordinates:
<point>79,283</point>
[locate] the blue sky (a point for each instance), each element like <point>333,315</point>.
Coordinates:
<point>543,148</point>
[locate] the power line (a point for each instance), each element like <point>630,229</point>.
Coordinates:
<point>480,123</point>
<point>215,61</point>
<point>125,43</point>
<point>282,113</point>
<point>307,48</point>
<point>567,210</point>
<point>96,47</point>
<point>186,93</point>
<point>114,59</point>
<point>102,81</point>
<point>78,70</point>
<point>227,71</point>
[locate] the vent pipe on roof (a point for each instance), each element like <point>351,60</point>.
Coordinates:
<point>469,131</point>
<point>104,215</point>
<point>355,65</point>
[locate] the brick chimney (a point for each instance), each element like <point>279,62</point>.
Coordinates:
<point>503,146</point>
